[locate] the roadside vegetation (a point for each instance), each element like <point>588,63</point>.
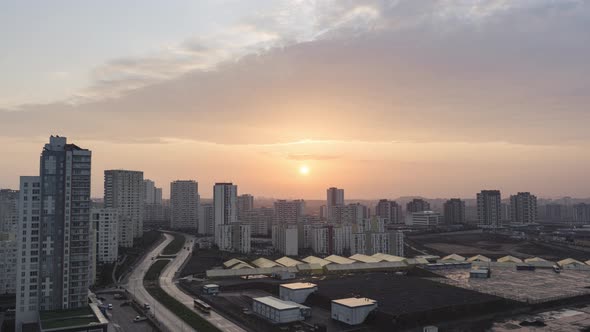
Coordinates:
<point>174,247</point>
<point>180,310</point>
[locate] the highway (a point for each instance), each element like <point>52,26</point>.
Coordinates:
<point>135,286</point>
<point>167,283</point>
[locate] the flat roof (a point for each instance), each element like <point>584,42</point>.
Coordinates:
<point>211,285</point>
<point>339,259</point>
<point>355,302</point>
<point>278,303</point>
<point>299,285</point>
<point>54,319</point>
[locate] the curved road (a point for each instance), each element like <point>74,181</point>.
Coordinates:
<point>169,286</point>
<point>135,286</point>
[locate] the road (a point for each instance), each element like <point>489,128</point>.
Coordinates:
<point>135,286</point>
<point>167,283</point>
<point>121,318</point>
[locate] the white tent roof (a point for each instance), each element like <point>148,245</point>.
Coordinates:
<point>509,259</point>
<point>454,257</point>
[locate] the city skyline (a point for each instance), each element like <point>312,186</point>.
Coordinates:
<point>383,98</point>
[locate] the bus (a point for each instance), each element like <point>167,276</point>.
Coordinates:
<point>204,307</point>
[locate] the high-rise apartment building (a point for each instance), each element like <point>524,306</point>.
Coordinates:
<point>554,212</point>
<point>235,237</point>
<point>285,239</point>
<point>54,244</point>
<point>581,212</point>
<point>8,211</point>
<point>454,211</point>
<point>124,191</point>
<point>106,225</point>
<point>184,205</point>
<point>523,208</point>
<point>8,257</point>
<point>289,212</point>
<point>206,219</point>
<point>260,219</point>
<point>245,204</point>
<point>390,211</point>
<point>489,208</point>
<point>417,205</point>
<point>334,197</point>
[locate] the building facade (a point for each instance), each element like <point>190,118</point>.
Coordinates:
<point>489,208</point>
<point>8,257</point>
<point>581,212</point>
<point>285,239</point>
<point>523,208</point>
<point>206,219</point>
<point>54,245</point>
<point>390,211</point>
<point>417,205</point>
<point>124,190</point>
<point>289,212</point>
<point>454,211</point>
<point>245,204</point>
<point>8,211</point>
<point>106,225</point>
<point>184,205</point>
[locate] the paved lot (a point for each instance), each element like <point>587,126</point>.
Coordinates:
<point>565,320</point>
<point>121,318</point>
<point>537,286</point>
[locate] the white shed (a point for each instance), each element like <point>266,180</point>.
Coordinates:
<point>352,311</point>
<point>278,311</point>
<point>296,291</point>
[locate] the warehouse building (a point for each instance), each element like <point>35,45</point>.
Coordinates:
<point>316,260</point>
<point>352,311</point>
<point>339,259</point>
<point>296,291</point>
<point>278,311</point>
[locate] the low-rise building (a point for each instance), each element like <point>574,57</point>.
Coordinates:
<point>278,311</point>
<point>296,291</point>
<point>352,311</point>
<point>424,219</point>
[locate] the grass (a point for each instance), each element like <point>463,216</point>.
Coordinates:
<point>155,269</point>
<point>174,247</point>
<point>64,318</point>
<point>180,310</point>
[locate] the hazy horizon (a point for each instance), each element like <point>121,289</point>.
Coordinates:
<point>381,98</point>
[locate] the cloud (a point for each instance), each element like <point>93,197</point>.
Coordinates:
<point>416,71</point>
<point>304,157</point>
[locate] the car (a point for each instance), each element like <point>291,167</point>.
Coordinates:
<point>146,306</point>
<point>118,296</point>
<point>110,306</point>
<point>139,319</point>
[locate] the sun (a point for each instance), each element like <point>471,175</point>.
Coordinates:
<point>304,170</point>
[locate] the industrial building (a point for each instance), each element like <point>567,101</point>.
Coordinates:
<point>278,311</point>
<point>297,291</point>
<point>352,311</point>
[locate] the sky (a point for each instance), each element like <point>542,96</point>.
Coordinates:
<point>383,98</point>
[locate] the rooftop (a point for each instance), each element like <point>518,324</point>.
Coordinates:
<point>388,258</point>
<point>299,285</point>
<point>339,259</point>
<point>316,260</point>
<point>355,302</point>
<point>286,261</point>
<point>278,303</point>
<point>70,318</point>
<point>265,262</point>
<point>364,258</point>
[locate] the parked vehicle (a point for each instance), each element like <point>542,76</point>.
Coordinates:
<point>118,296</point>
<point>146,306</point>
<point>110,306</point>
<point>139,319</point>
